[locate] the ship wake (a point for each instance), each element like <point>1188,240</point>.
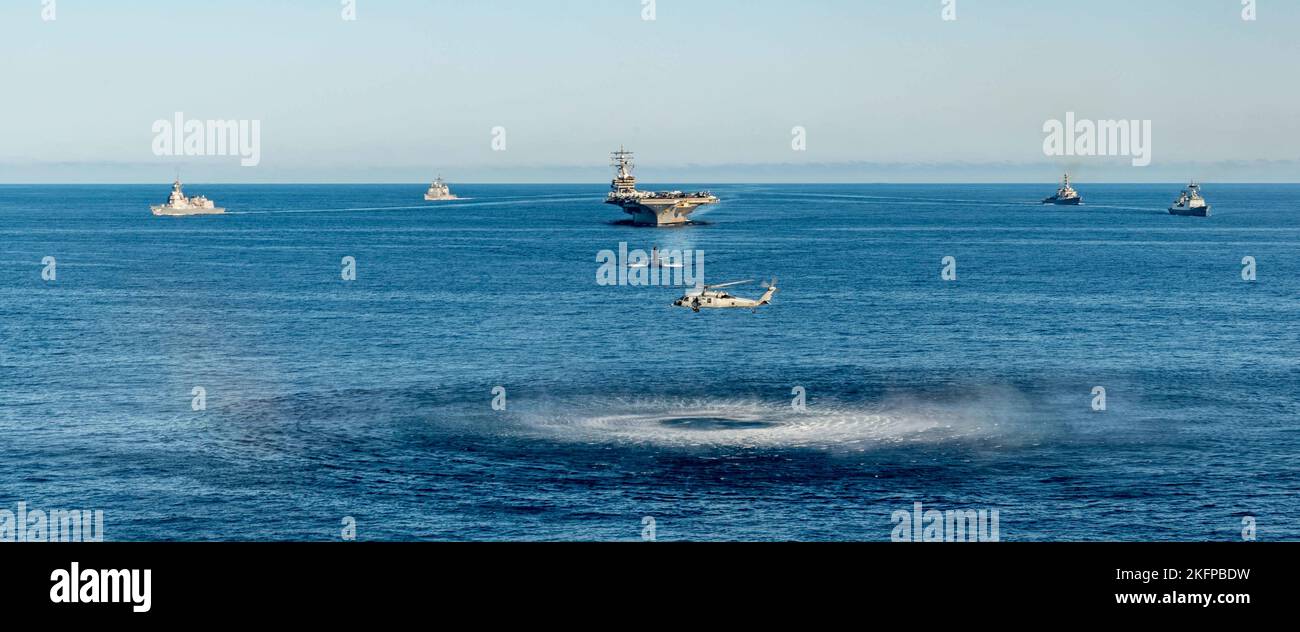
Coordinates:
<point>990,417</point>
<point>999,417</point>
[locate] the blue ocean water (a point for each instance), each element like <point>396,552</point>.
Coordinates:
<point>373,398</point>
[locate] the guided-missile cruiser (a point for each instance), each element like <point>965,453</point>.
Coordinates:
<point>650,208</point>
<point>1190,203</point>
<point>1066,195</point>
<point>439,191</point>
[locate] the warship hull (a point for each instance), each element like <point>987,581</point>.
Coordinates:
<point>439,198</point>
<point>1203,211</point>
<point>1064,202</point>
<point>166,211</point>
<point>669,212</point>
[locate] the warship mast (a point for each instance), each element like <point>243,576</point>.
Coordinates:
<point>624,182</point>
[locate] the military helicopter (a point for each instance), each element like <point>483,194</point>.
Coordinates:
<point>712,297</point>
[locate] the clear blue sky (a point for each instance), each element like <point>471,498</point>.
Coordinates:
<point>886,89</point>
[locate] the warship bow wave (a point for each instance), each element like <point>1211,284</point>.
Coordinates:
<point>178,205</point>
<point>650,208</point>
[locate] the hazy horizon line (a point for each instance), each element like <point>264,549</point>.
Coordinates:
<point>601,184</point>
<point>210,170</point>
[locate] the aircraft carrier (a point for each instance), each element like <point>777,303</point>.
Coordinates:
<point>650,208</point>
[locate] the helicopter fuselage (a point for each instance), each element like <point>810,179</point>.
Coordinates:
<point>710,299</point>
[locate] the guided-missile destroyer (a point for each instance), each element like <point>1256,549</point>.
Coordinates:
<point>179,205</point>
<point>650,208</point>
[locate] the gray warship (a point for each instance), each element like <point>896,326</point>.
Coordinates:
<point>1066,195</point>
<point>439,191</point>
<point>650,208</point>
<point>178,205</point>
<point>1190,203</point>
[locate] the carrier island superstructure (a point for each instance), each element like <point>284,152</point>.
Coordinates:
<point>650,208</point>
